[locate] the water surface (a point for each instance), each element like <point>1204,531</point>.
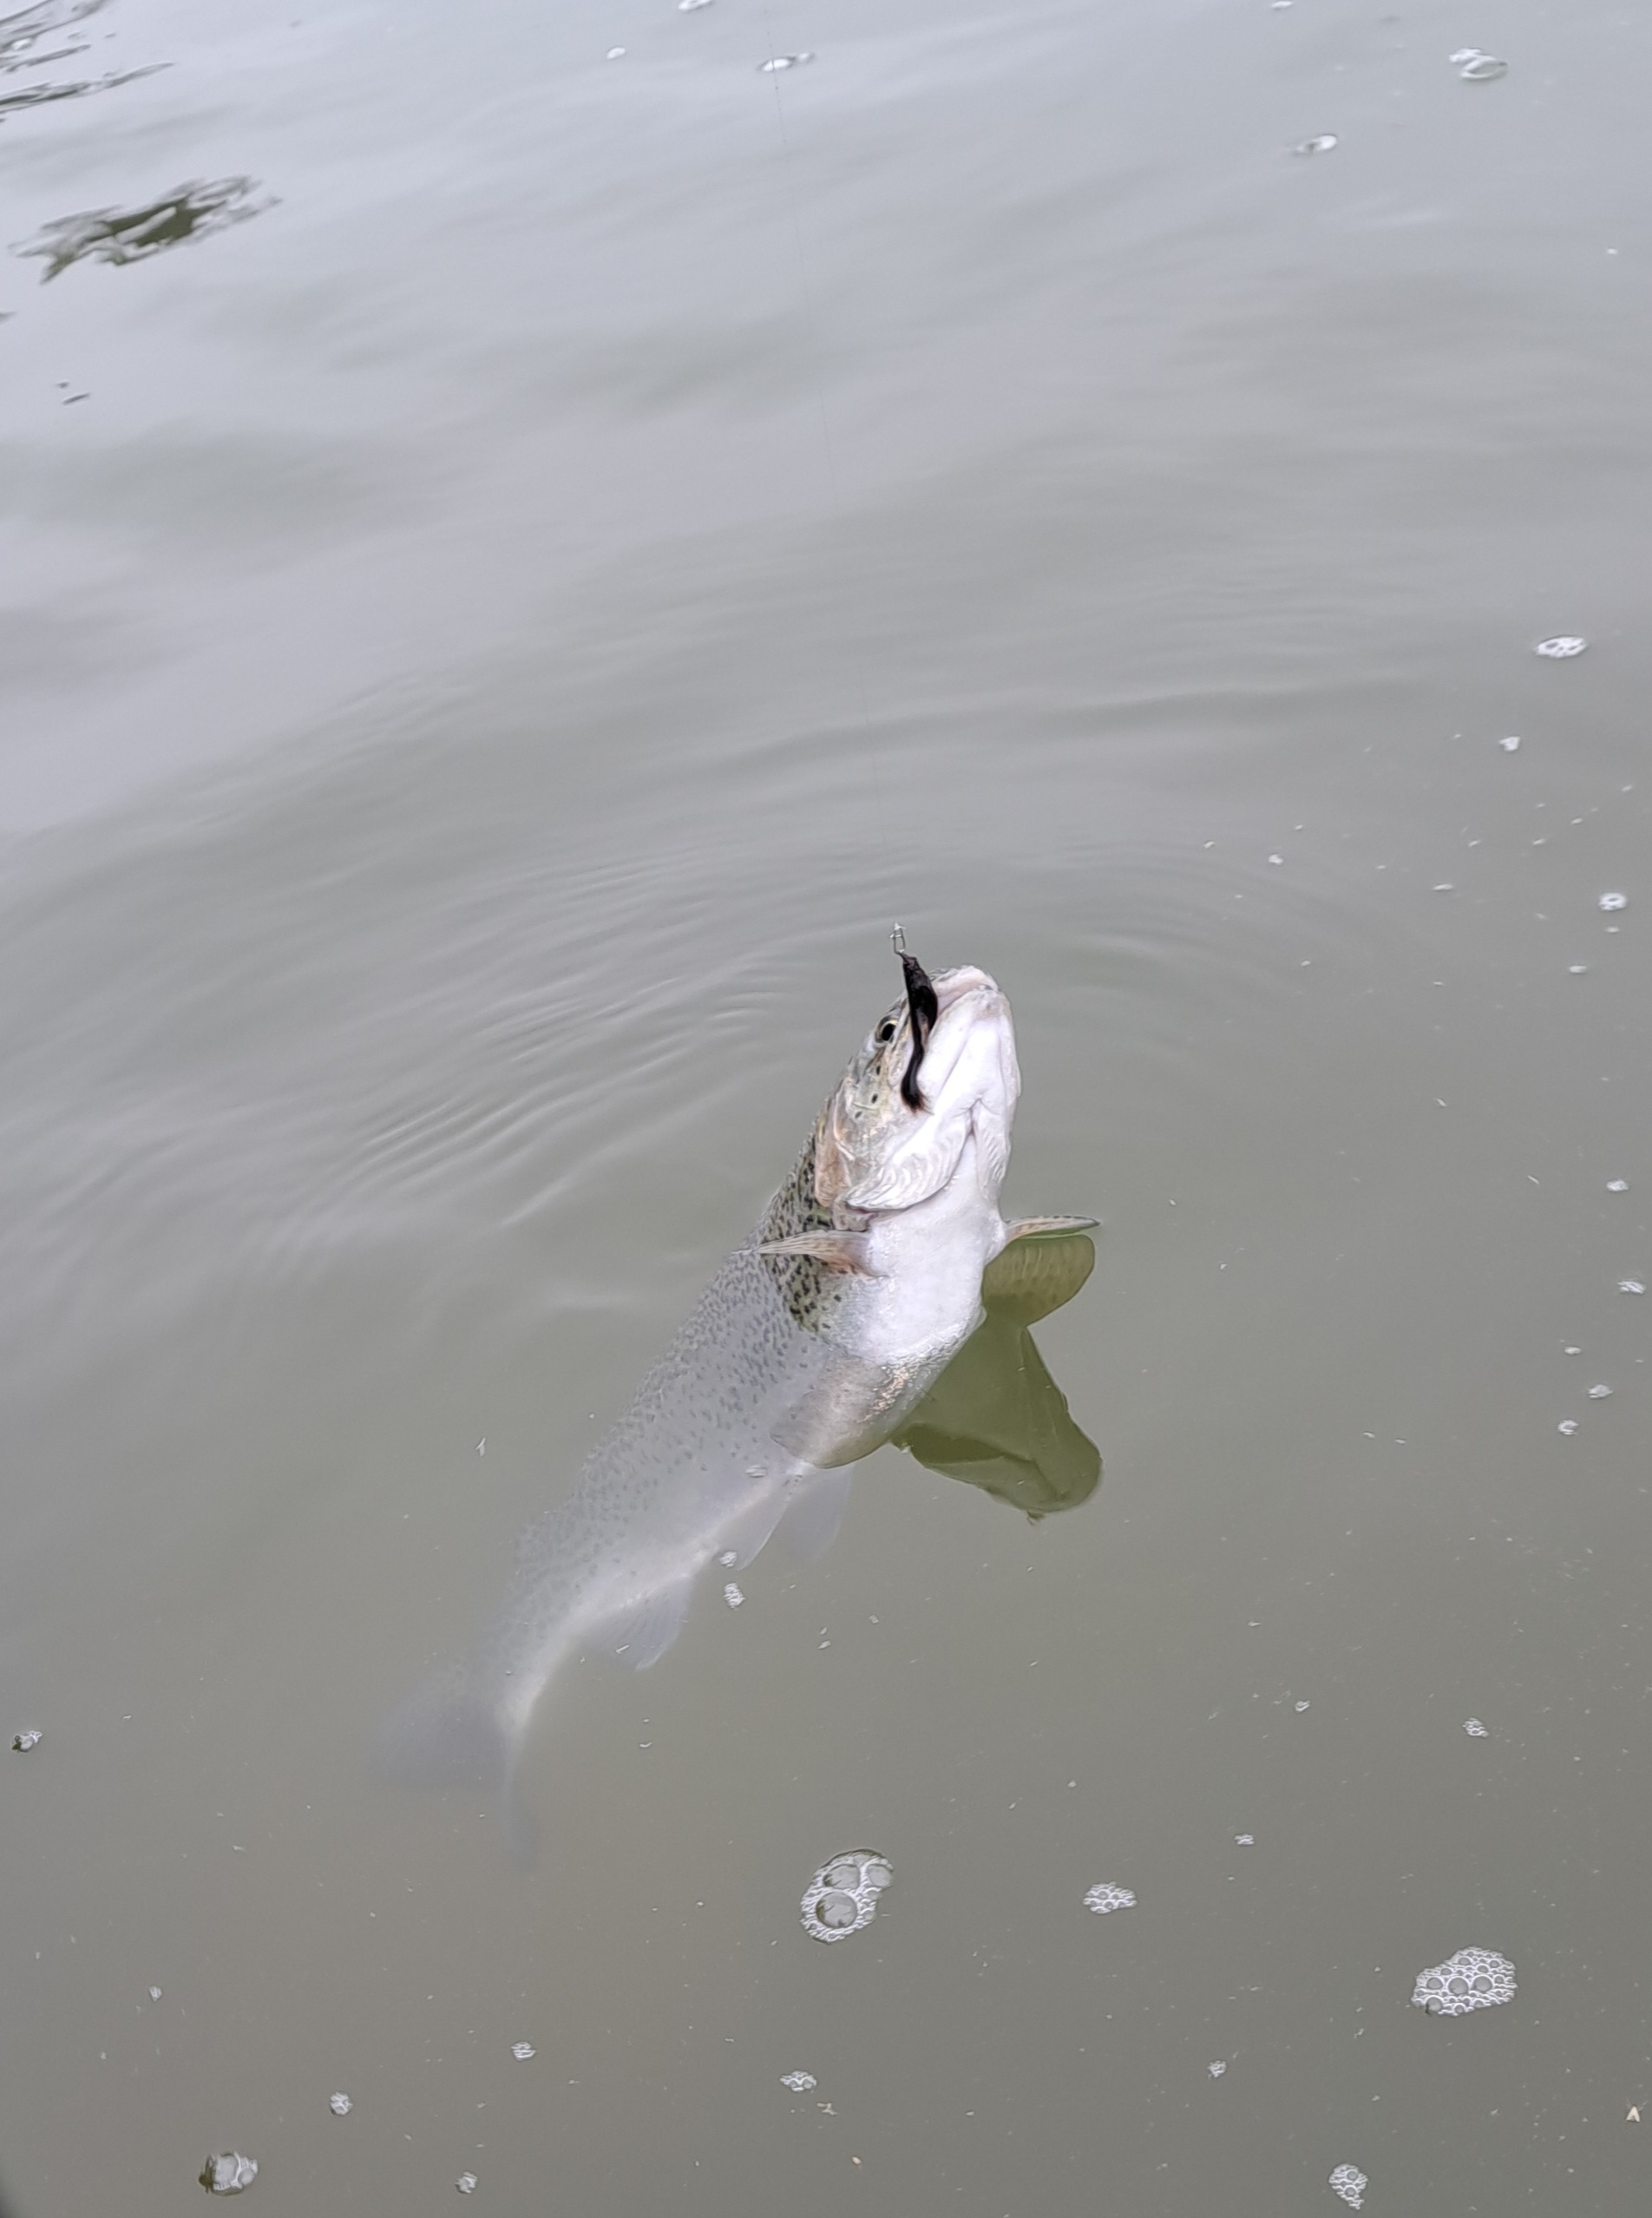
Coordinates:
<point>537,564</point>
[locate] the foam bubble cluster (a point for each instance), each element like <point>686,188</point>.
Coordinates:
<point>799,2082</point>
<point>1350,2183</point>
<point>843,1894</point>
<point>1104,1896</point>
<point>228,2173</point>
<point>1475,1979</point>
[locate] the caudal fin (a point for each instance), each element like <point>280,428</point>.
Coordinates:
<point>445,1734</point>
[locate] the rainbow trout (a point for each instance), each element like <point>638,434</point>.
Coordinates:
<point>815,1340</point>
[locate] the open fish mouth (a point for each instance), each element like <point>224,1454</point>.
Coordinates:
<point>964,998</point>
<point>928,999</point>
<point>953,986</point>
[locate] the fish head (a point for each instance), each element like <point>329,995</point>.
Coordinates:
<point>896,1132</point>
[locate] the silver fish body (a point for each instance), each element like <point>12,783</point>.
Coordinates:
<point>814,1341</point>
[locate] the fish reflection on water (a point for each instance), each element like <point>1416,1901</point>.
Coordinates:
<point>881,1297</point>
<point>995,1418</point>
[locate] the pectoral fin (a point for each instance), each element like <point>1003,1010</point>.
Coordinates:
<point>836,1250</point>
<point>1029,1228</point>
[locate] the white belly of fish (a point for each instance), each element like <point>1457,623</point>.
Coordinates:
<point>925,1263</point>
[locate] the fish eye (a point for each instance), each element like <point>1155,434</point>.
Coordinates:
<point>886,1032</point>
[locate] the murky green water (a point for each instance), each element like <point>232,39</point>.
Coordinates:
<point>517,568</point>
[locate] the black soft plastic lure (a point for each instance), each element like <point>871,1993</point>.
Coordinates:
<point>924,1008</point>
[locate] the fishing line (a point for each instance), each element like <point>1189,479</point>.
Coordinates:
<point>777,70</point>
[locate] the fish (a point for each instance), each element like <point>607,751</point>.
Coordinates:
<point>815,1340</point>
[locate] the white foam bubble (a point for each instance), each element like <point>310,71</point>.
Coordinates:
<point>843,1897</point>
<point>1105,1897</point>
<point>228,2174</point>
<point>1475,1979</point>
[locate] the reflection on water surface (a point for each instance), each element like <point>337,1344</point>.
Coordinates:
<point>995,1418</point>
<point>22,32</point>
<point>42,96</point>
<point>119,235</point>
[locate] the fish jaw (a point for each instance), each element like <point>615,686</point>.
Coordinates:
<point>971,1083</point>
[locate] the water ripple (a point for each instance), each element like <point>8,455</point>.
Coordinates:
<point>42,95</point>
<point>22,32</point>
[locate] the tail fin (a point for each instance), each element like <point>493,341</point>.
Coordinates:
<point>445,1734</point>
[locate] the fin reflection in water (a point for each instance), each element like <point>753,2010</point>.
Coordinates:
<point>995,1418</point>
